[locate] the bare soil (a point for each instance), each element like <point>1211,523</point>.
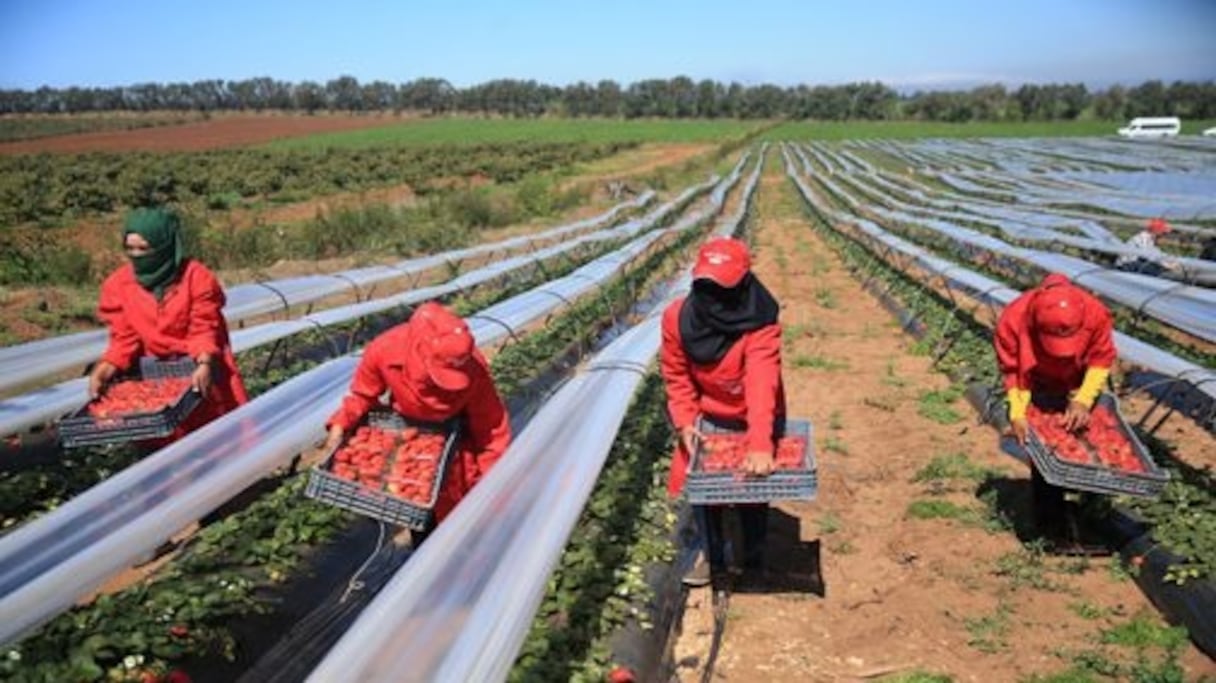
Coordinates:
<point>231,130</point>
<point>858,588</point>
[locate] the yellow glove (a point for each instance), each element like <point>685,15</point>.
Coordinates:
<point>1019,401</point>
<point>1091,386</point>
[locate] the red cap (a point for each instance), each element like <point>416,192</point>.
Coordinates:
<point>445,346</point>
<point>723,260</point>
<point>1158,226</point>
<point>1058,312</point>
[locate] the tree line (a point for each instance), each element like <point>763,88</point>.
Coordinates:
<point>679,97</point>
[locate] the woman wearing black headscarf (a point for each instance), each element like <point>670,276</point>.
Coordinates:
<point>721,361</point>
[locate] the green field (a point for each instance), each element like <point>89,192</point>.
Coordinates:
<point>845,130</point>
<point>469,131</point>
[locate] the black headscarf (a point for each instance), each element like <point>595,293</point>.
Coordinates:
<point>714,317</point>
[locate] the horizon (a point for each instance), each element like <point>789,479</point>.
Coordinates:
<point>948,45</point>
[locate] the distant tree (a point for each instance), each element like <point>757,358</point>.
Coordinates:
<point>309,97</point>
<point>989,102</point>
<point>609,99</point>
<point>1147,99</point>
<point>709,97</point>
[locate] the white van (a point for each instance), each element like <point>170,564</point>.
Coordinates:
<point>1152,127</point>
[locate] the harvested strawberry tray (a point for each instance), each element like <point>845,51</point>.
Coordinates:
<point>148,403</point>
<point>716,476</point>
<point>390,469</point>
<point>1109,459</point>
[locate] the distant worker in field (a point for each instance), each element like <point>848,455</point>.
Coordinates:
<point>721,361</point>
<point>1149,258</point>
<point>1054,347</point>
<point>164,304</point>
<point>433,372</point>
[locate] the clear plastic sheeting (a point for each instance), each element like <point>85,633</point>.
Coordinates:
<point>1031,227</point>
<point>50,563</point>
<point>1184,307</point>
<point>461,607</point>
<point>1170,181</point>
<point>1187,308</point>
<point>24,363</point>
<point>987,292</point>
<point>41,405</point>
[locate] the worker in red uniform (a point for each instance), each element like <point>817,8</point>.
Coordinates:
<point>167,305</point>
<point>433,372</point>
<point>1055,347</point>
<point>721,361</point>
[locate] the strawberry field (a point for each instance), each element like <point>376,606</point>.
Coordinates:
<point>205,560</point>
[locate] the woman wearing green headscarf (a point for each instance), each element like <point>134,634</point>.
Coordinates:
<point>167,305</point>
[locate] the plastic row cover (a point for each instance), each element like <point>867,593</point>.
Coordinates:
<point>1032,170</point>
<point>48,564</point>
<point>41,405</point>
<point>1186,174</point>
<point>1040,229</point>
<point>1184,307</point>
<point>1187,308</point>
<point>45,404</point>
<point>461,607</point>
<point>992,293</point>
<point>25,363</point>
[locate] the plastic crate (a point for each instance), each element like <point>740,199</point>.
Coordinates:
<point>379,504</point>
<point>82,429</point>
<point>1099,478</point>
<point>724,488</point>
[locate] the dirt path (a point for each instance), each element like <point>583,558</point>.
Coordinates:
<point>885,575</point>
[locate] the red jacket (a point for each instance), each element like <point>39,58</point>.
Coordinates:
<point>1023,363</point>
<point>387,365</point>
<point>744,385</point>
<point>186,322</point>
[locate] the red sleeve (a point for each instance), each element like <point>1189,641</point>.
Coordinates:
<point>365,391</point>
<point>683,397</point>
<point>125,345</point>
<point>489,428</point>
<point>761,381</point>
<point>1101,352</point>
<point>1007,340</point>
<point>203,335</point>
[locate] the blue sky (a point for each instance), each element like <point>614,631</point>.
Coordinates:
<point>906,44</point>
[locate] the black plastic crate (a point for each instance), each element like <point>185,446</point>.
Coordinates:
<point>379,504</point>
<point>82,429</point>
<point>724,488</point>
<point>1099,478</point>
